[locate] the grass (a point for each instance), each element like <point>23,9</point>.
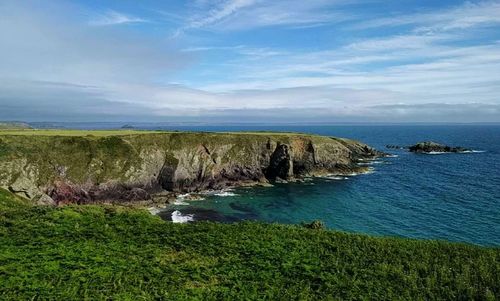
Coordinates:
<point>120,155</point>
<point>96,253</point>
<point>72,133</point>
<point>13,125</point>
<point>105,133</point>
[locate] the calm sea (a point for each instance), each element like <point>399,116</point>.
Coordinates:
<point>453,197</point>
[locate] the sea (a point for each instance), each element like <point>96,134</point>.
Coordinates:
<point>453,197</point>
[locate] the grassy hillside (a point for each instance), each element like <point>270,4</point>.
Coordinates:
<point>13,125</point>
<point>12,131</point>
<point>92,252</point>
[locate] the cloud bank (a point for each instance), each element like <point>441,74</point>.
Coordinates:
<point>61,64</point>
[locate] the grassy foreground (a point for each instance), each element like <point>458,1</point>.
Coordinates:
<point>94,253</point>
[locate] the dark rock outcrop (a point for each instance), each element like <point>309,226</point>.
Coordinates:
<point>433,147</point>
<point>281,164</point>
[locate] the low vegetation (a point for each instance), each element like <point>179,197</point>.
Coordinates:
<point>12,130</point>
<point>97,252</point>
<point>13,125</point>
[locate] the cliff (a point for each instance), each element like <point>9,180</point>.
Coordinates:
<point>57,167</point>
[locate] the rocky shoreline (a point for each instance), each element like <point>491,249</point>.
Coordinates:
<point>154,168</point>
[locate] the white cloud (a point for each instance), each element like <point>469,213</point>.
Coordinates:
<point>115,18</point>
<point>220,12</point>
<point>230,15</point>
<point>399,42</point>
<point>467,15</point>
<point>57,67</point>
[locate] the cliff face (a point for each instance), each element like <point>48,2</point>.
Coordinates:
<point>86,169</point>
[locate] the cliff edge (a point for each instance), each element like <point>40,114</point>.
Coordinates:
<point>62,167</point>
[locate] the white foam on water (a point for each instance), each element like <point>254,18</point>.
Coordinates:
<point>434,153</point>
<point>370,170</point>
<point>225,193</point>
<point>391,156</point>
<point>463,152</point>
<point>154,210</point>
<point>366,159</point>
<point>180,202</point>
<point>338,178</point>
<point>177,217</point>
<point>473,152</point>
<point>180,199</point>
<point>222,193</point>
<point>371,163</point>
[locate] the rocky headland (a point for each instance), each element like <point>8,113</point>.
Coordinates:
<point>62,167</point>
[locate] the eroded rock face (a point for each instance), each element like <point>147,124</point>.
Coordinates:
<point>131,168</point>
<point>281,164</point>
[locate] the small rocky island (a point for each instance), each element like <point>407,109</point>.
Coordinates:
<point>433,147</point>
<point>430,147</point>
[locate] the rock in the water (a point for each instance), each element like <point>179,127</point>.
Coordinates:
<point>433,147</point>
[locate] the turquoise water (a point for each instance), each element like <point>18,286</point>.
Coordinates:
<point>453,197</point>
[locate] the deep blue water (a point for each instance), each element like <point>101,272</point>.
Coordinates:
<point>453,197</point>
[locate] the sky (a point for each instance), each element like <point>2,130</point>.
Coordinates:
<point>294,61</point>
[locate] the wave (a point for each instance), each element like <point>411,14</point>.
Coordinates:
<point>221,193</point>
<point>367,159</point>
<point>370,163</point>
<point>338,178</point>
<point>179,202</point>
<point>391,156</point>
<point>462,152</point>
<point>435,153</point>
<point>369,170</point>
<point>181,199</point>
<point>225,193</point>
<point>473,151</point>
<point>177,217</point>
<point>154,210</point>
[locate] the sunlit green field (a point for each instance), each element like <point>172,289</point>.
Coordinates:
<point>76,133</point>
<point>97,253</point>
<point>105,133</point>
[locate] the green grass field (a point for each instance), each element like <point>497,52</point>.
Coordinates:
<point>106,133</point>
<point>97,253</point>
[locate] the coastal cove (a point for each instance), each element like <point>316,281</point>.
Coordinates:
<point>405,194</point>
<point>450,197</point>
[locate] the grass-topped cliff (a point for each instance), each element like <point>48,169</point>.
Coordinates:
<point>66,166</point>
<point>115,253</point>
<point>13,125</point>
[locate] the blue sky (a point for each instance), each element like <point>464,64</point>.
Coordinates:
<point>250,61</point>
